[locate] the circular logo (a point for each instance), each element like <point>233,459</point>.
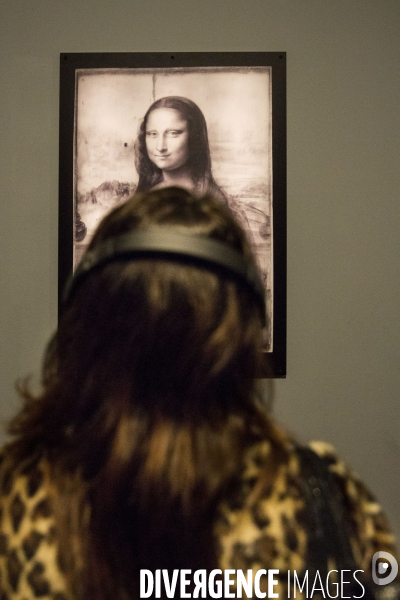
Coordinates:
<point>384,568</point>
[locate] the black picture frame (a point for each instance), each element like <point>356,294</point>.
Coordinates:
<point>262,74</point>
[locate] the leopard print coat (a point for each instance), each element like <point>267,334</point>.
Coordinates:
<point>259,527</point>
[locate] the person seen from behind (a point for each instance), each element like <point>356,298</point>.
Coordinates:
<point>147,447</point>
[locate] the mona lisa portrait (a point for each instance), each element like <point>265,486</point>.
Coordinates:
<point>206,129</point>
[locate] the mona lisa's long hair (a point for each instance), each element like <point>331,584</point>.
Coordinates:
<point>148,404</point>
<point>199,160</point>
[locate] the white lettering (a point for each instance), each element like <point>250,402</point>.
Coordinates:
<point>145,574</point>
<point>305,583</point>
<point>184,583</point>
<point>358,581</point>
<point>247,584</point>
<point>272,582</point>
<point>216,591</point>
<point>257,578</point>
<point>319,589</point>
<point>170,587</point>
<point>200,579</point>
<point>228,582</point>
<point>333,583</point>
<point>342,582</point>
<point>158,583</point>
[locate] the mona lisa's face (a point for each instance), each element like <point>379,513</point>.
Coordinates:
<point>167,138</point>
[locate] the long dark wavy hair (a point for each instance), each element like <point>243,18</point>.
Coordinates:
<point>148,404</point>
<point>199,162</point>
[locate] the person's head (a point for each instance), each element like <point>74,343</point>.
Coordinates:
<point>173,134</point>
<point>164,329</point>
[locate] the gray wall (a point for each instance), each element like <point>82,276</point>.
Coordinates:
<point>343,194</point>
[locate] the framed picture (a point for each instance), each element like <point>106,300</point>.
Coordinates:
<point>104,111</point>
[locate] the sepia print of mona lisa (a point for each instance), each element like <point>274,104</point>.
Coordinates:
<point>205,129</point>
